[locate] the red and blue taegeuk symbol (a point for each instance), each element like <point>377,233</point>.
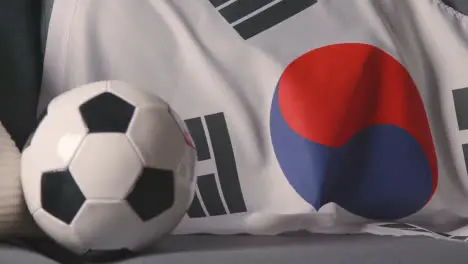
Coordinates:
<point>348,126</point>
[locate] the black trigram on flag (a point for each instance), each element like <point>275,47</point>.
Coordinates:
<point>460,99</point>
<point>218,187</point>
<point>251,17</point>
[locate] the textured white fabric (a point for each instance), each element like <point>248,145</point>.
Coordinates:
<point>211,65</point>
<point>14,216</point>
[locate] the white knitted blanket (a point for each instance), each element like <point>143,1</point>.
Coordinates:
<point>14,216</point>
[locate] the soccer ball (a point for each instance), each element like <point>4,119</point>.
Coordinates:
<point>109,169</point>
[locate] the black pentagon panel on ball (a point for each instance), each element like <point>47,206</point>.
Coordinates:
<point>153,193</point>
<point>107,255</point>
<point>38,122</point>
<point>107,113</point>
<point>60,195</point>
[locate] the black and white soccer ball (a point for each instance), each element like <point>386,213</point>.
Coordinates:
<point>109,169</point>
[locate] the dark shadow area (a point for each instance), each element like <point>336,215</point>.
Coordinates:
<point>459,5</point>
<point>20,66</point>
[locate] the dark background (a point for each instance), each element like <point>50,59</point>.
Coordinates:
<point>459,5</point>
<point>20,65</point>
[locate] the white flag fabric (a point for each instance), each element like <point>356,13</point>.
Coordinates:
<point>331,116</point>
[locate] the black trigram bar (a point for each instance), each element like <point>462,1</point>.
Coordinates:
<point>225,162</point>
<point>460,100</point>
<point>264,20</point>
<point>210,195</point>
<point>242,8</point>
<point>197,132</point>
<point>226,169</point>
<point>465,155</point>
<point>217,3</point>
<point>196,209</point>
<point>272,16</point>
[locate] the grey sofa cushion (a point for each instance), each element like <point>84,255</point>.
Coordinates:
<point>16,255</point>
<point>300,249</point>
<point>291,249</point>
